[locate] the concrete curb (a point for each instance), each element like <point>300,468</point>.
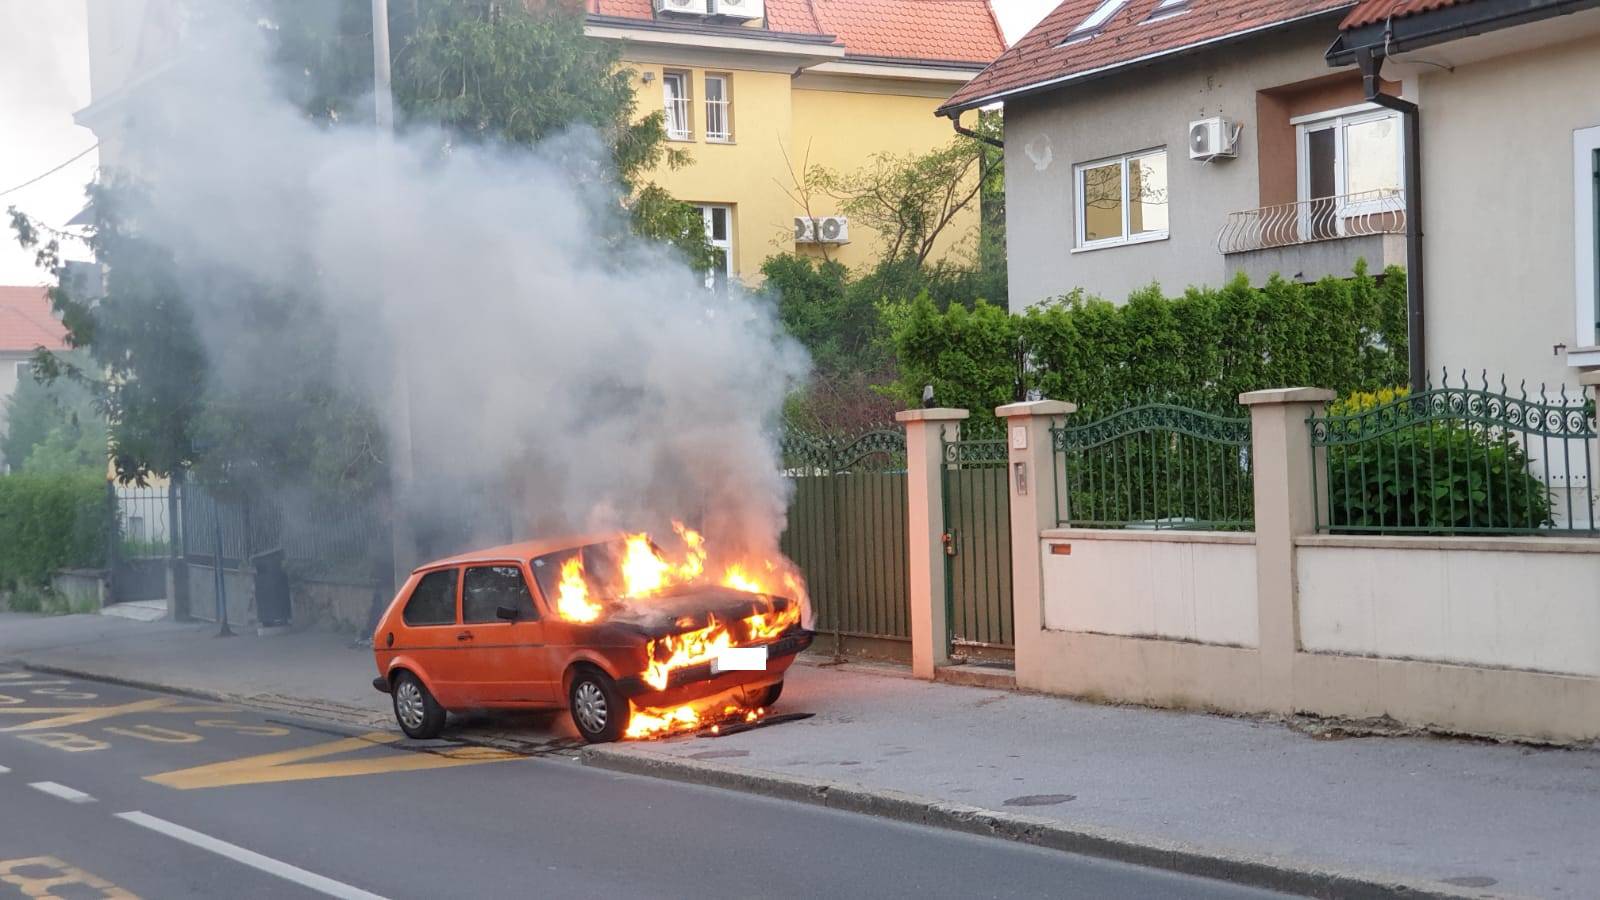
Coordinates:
<point>1265,871</point>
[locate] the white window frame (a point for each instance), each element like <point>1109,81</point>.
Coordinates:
<point>1586,243</point>
<point>1125,238</point>
<point>1096,22</point>
<point>680,107</point>
<point>723,109</point>
<point>1338,120</point>
<point>24,371</point>
<point>725,245</point>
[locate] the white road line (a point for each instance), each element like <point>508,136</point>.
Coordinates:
<point>250,858</point>
<point>62,791</point>
<point>4,771</point>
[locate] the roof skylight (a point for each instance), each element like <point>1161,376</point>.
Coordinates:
<point>1097,20</point>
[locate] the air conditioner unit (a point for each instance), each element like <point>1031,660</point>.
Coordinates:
<point>822,230</point>
<point>1213,138</point>
<point>682,7</point>
<point>739,9</point>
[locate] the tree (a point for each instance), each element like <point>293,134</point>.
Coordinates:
<point>910,200</point>
<point>476,71</point>
<point>53,426</point>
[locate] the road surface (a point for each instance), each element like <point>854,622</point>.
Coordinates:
<point>114,792</point>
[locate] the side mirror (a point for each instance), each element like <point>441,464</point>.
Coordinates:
<point>509,613</point>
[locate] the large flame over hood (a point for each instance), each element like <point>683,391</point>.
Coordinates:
<point>645,571</point>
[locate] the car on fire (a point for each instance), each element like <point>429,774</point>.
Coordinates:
<point>502,629</point>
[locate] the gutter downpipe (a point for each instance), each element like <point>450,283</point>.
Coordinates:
<point>955,122</point>
<point>1416,323</point>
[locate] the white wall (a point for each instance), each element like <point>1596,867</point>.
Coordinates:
<point>1498,203</point>
<point>1187,586</point>
<point>1145,108</point>
<point>1415,599</point>
<point>8,386</point>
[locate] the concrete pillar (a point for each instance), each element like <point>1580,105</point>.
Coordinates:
<point>1031,480</point>
<point>926,430</point>
<point>1281,453</point>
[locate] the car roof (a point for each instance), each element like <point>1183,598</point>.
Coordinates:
<point>521,550</point>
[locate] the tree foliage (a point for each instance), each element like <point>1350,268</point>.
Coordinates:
<point>54,426</point>
<point>910,201</point>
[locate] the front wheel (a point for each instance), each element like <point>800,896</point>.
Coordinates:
<point>598,708</point>
<point>771,696</point>
<point>420,716</point>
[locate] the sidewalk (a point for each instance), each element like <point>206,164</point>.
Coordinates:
<point>1474,819</point>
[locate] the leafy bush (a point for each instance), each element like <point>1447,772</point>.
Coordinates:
<point>1437,476</point>
<point>1207,346</point>
<point>50,521</point>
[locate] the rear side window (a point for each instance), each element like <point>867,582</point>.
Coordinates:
<point>434,600</point>
<point>487,588</point>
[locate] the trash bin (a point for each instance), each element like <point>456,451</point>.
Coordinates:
<point>272,588</point>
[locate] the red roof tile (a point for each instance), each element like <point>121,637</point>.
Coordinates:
<point>1371,11</point>
<point>1128,37</point>
<point>26,322</point>
<point>923,30</point>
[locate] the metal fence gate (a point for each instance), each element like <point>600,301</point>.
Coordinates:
<point>977,543</point>
<point>847,532</point>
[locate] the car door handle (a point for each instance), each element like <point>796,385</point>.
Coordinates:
<point>464,636</point>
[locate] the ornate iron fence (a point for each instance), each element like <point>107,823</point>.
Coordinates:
<point>977,519</point>
<point>1457,460</point>
<point>847,531</point>
<point>1155,466</point>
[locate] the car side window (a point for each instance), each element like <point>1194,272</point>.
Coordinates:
<point>487,588</point>
<point>433,601</point>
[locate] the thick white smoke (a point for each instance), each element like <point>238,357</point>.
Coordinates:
<point>599,389</point>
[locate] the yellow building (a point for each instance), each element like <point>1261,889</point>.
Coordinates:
<point>755,92</point>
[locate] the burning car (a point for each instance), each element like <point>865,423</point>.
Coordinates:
<point>632,643</point>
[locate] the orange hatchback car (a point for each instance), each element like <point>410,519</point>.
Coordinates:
<point>483,631</point>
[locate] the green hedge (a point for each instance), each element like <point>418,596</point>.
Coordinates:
<point>1205,347</point>
<point>51,521</point>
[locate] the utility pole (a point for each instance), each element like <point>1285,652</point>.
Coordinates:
<point>403,539</point>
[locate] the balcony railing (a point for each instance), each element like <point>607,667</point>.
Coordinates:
<point>1319,219</point>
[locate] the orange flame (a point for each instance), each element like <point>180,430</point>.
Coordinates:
<point>573,602</point>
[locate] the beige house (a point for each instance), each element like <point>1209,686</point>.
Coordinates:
<point>1162,140</point>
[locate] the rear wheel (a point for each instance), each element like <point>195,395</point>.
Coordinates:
<point>771,696</point>
<point>420,716</point>
<point>598,708</point>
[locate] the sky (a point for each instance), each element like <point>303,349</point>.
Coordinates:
<point>44,78</point>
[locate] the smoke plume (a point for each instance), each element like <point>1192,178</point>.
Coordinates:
<point>477,290</point>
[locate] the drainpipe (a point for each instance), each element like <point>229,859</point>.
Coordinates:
<point>1416,326</point>
<point>955,122</point>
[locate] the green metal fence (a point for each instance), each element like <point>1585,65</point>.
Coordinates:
<point>1456,460</point>
<point>847,531</point>
<point>1155,466</point>
<point>977,515</point>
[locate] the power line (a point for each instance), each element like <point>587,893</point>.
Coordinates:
<point>45,175</point>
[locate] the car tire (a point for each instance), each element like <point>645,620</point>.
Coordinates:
<point>771,696</point>
<point>420,716</point>
<point>599,711</point>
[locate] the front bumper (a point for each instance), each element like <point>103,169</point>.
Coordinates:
<point>780,654</point>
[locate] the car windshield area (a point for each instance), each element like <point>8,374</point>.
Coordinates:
<point>602,571</point>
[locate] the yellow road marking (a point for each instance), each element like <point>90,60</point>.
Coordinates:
<point>156,735</point>
<point>295,765</point>
<point>80,715</point>
<point>51,873</point>
<point>65,740</point>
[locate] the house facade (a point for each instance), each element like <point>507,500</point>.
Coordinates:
<point>1174,142</point>
<point>756,93</point>
<point>26,324</point>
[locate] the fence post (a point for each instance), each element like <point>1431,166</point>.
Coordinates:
<point>1280,451</point>
<point>1030,479</point>
<point>925,575</point>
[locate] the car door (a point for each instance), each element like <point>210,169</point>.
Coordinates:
<point>509,661</point>
<point>428,633</point>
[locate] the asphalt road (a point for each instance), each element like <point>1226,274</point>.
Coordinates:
<point>114,792</point>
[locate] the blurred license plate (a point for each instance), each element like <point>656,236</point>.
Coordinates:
<point>740,659</point>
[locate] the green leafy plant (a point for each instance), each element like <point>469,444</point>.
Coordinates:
<point>50,521</point>
<point>1440,475</point>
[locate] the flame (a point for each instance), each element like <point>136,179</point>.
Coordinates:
<point>688,648</point>
<point>649,724</point>
<point>573,603</point>
<point>644,572</point>
<point>736,577</point>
